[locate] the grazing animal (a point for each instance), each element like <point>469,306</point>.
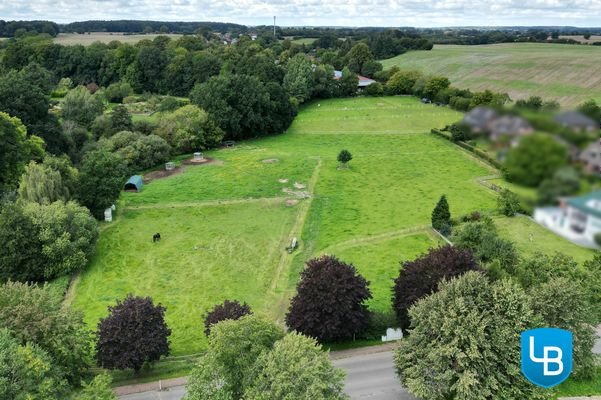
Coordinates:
<point>156,237</point>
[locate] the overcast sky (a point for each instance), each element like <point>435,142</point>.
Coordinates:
<point>317,12</point>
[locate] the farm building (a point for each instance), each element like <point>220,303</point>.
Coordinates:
<point>577,219</point>
<point>134,184</point>
<point>363,81</point>
<point>577,121</point>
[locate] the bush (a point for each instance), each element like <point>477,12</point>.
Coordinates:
<point>344,156</point>
<point>598,239</point>
<point>508,203</point>
<point>460,132</point>
<point>138,151</point>
<point>375,89</point>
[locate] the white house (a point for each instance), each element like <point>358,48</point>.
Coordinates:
<point>578,219</point>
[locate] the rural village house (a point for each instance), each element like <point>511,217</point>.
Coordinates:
<point>577,121</point>
<point>577,219</point>
<point>590,158</point>
<point>487,120</point>
<point>363,81</point>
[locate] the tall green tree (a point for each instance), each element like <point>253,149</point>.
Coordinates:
<point>358,56</point>
<point>121,120</point>
<point>35,316</point>
<point>348,83</point>
<point>441,216</point>
<point>536,158</point>
<point>81,106</point>
<point>227,369</point>
<point>42,184</point>
<point>27,372</point>
<point>189,129</point>
<point>101,178</point>
<point>15,150</point>
<point>464,342</point>
<point>300,357</point>
<point>563,303</point>
<point>298,80</point>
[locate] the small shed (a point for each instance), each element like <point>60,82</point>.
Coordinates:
<point>134,184</point>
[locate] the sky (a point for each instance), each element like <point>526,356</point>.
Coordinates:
<point>419,13</point>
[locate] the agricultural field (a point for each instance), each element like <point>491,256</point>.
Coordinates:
<point>225,224</point>
<point>86,39</point>
<point>569,74</point>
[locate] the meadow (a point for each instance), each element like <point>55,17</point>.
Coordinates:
<point>86,39</point>
<point>569,74</point>
<point>225,225</point>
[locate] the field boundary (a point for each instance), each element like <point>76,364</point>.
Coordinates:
<point>207,203</point>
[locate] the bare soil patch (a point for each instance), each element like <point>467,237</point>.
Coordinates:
<point>291,202</point>
<point>151,176</point>
<point>204,161</point>
<point>283,180</point>
<point>270,161</point>
<point>299,185</point>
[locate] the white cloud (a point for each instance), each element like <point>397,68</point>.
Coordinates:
<point>318,12</point>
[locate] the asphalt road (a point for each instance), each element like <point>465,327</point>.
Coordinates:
<point>369,376</point>
<point>372,377</point>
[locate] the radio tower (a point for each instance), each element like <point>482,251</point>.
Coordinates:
<point>274,26</point>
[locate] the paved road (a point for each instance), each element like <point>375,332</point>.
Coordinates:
<point>372,377</point>
<point>369,376</point>
<point>174,393</point>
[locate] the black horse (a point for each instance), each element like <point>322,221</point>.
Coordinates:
<point>156,237</point>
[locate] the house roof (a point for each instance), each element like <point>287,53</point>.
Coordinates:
<point>509,125</point>
<point>480,117</point>
<point>589,204</point>
<point>576,119</point>
<point>592,154</point>
<point>364,81</point>
<point>136,181</point>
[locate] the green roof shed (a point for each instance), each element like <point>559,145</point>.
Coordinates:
<point>134,184</point>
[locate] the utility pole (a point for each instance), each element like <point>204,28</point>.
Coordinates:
<point>274,26</point>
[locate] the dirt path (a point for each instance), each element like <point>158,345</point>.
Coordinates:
<point>379,237</point>
<point>296,231</point>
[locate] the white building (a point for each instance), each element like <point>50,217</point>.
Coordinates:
<point>578,219</point>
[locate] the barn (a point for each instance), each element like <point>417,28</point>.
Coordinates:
<point>134,184</point>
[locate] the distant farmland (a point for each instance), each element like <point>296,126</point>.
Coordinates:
<point>104,37</point>
<point>569,74</point>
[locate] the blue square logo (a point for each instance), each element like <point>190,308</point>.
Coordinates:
<point>546,356</point>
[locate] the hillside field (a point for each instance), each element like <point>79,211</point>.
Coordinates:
<point>225,225</point>
<point>86,39</point>
<point>569,74</point>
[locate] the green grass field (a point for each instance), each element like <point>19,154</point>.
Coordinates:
<point>531,238</point>
<point>225,225</point>
<point>86,39</point>
<point>569,74</point>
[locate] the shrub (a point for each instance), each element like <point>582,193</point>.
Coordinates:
<point>344,156</point>
<point>598,238</point>
<point>508,203</point>
<point>375,89</point>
